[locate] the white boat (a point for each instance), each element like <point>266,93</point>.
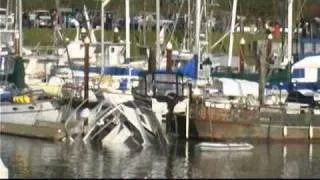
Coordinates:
<point>4,173</point>
<point>213,146</point>
<point>24,108</point>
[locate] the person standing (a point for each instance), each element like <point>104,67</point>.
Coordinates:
<point>55,18</point>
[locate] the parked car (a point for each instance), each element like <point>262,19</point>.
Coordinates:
<point>67,14</point>
<point>4,19</point>
<point>42,18</point>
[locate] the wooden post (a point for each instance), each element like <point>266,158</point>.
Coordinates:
<point>152,60</point>
<point>86,67</point>
<point>241,58</point>
<point>116,35</point>
<point>262,70</point>
<point>169,57</point>
<point>269,48</point>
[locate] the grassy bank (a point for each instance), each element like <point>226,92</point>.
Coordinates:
<point>44,36</point>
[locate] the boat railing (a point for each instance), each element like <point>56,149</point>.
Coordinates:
<point>161,86</point>
<point>253,112</point>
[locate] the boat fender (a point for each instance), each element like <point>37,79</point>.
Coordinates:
<point>285,131</point>
<point>22,99</point>
<point>310,132</point>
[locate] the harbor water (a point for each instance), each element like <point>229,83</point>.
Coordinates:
<point>33,158</point>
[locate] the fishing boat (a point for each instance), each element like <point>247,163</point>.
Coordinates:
<point>214,146</point>
<point>237,113</point>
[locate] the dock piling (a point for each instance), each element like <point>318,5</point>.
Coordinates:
<point>86,67</point>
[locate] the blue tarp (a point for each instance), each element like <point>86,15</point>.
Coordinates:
<point>189,69</point>
<point>116,71</point>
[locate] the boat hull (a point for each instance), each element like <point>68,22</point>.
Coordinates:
<point>236,123</point>
<point>30,113</point>
<point>48,131</point>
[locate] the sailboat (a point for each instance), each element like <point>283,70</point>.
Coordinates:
<point>24,111</point>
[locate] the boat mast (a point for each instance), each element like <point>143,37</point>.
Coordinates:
<point>7,14</point>
<point>128,37</point>
<point>158,33</point>
<point>233,22</point>
<point>188,26</point>
<point>103,4</point>
<point>290,3</point>
<point>197,43</point>
<point>206,22</point>
<point>20,28</point>
<point>127,29</point>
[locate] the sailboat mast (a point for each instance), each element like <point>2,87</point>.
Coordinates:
<point>103,4</point>
<point>233,22</point>
<point>158,33</point>
<point>206,22</point>
<point>290,3</point>
<point>20,28</point>
<point>7,14</point>
<point>198,19</point>
<point>127,29</point>
<point>188,25</point>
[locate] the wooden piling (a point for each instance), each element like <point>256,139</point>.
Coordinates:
<point>152,60</point>
<point>262,73</point>
<point>86,67</point>
<point>169,57</point>
<point>269,49</point>
<point>241,58</point>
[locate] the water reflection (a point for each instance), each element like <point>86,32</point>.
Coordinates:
<point>29,158</point>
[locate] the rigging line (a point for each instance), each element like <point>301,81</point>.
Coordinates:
<point>300,11</point>
<point>190,30</point>
<point>175,24</point>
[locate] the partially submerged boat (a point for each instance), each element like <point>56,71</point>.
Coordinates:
<point>130,123</point>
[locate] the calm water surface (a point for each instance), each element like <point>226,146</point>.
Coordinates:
<point>30,158</point>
